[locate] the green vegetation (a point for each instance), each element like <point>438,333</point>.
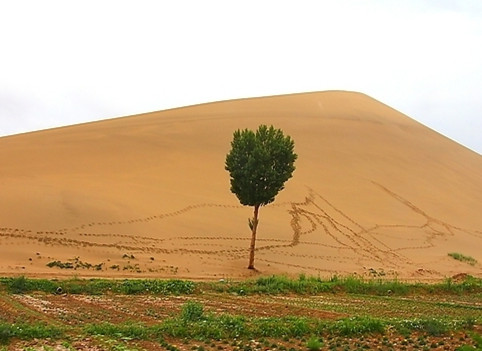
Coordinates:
<point>259,164</point>
<point>27,331</point>
<point>272,285</point>
<point>459,257</point>
<point>21,285</point>
<point>75,263</point>
<point>358,325</point>
<point>477,344</point>
<point>199,326</point>
<point>284,314</point>
<point>192,311</point>
<point>229,327</point>
<point>276,285</point>
<point>314,344</point>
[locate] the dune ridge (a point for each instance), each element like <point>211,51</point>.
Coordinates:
<point>375,193</point>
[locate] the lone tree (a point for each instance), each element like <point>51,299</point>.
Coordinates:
<point>259,164</point>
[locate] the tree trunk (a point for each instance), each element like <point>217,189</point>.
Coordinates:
<point>253,237</point>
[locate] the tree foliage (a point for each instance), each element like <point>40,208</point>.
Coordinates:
<point>259,163</point>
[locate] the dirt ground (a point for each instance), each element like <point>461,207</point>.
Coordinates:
<point>75,311</point>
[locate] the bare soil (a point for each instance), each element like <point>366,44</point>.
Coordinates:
<point>75,311</point>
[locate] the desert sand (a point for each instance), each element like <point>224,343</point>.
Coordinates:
<point>374,193</point>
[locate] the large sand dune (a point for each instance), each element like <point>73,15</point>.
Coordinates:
<point>374,193</point>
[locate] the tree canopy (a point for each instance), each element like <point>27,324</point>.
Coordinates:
<point>259,164</point>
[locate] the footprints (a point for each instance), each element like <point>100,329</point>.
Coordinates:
<point>320,233</point>
<point>153,218</point>
<point>317,215</point>
<point>437,226</point>
<point>344,232</point>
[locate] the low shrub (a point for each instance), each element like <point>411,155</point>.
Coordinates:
<point>192,311</point>
<point>314,344</point>
<point>462,258</point>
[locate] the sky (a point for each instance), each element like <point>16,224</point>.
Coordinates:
<point>68,62</point>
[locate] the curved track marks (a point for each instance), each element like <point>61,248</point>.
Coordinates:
<point>317,231</point>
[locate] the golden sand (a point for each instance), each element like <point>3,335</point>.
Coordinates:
<point>374,193</point>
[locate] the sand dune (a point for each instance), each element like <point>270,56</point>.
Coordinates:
<point>374,193</point>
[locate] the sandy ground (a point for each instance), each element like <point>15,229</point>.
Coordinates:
<point>374,193</point>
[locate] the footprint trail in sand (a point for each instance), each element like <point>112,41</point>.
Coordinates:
<point>317,231</point>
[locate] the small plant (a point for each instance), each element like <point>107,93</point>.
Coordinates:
<point>192,311</point>
<point>314,344</point>
<point>61,265</point>
<point>19,285</point>
<point>75,263</point>
<point>435,327</point>
<point>462,258</point>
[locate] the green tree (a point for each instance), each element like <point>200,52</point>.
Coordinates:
<point>259,164</point>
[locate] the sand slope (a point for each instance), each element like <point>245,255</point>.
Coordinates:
<point>374,192</point>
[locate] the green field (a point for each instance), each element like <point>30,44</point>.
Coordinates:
<point>268,313</point>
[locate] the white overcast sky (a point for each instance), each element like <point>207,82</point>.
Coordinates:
<point>66,62</point>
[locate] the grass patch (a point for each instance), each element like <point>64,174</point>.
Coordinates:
<point>279,285</point>
<point>125,330</point>
<point>21,285</point>
<point>462,258</point>
<point>271,285</point>
<point>193,323</point>
<point>229,327</point>
<point>358,326</point>
<point>155,286</point>
<point>28,332</point>
<point>314,344</point>
<point>192,311</point>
